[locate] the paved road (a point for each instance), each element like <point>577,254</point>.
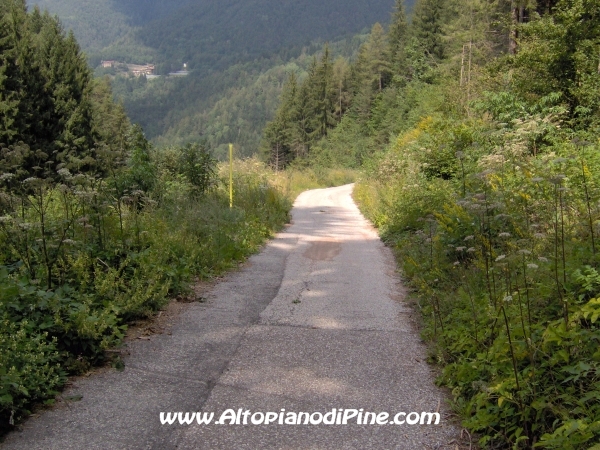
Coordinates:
<point>314,322</point>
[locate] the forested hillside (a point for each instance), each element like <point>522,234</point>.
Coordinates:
<point>97,228</point>
<point>476,125</point>
<point>209,34</point>
<point>227,106</point>
<point>233,48</point>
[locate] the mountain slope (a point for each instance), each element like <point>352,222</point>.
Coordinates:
<point>217,39</point>
<point>220,32</point>
<point>209,34</point>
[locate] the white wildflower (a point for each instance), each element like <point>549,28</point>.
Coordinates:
<point>64,173</point>
<point>500,258</point>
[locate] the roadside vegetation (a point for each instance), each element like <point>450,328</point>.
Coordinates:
<point>97,227</point>
<point>476,126</point>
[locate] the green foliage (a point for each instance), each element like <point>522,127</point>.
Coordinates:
<point>482,172</point>
<point>306,113</point>
<point>231,105</point>
<point>81,259</point>
<point>97,228</point>
<point>198,166</point>
<point>237,50</point>
<point>426,26</point>
<point>29,367</point>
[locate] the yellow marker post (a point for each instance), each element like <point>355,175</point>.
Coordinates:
<point>231,175</point>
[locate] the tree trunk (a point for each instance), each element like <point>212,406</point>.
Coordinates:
<point>514,21</point>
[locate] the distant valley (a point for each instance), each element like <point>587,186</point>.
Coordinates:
<point>228,46</point>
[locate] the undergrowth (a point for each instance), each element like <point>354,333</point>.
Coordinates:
<point>499,241</point>
<point>83,256</point>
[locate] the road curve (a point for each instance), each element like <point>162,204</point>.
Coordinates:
<point>314,322</point>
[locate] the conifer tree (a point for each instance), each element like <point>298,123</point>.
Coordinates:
<point>426,26</point>
<point>305,111</point>
<point>9,84</point>
<point>341,70</point>
<point>371,72</point>
<point>33,111</point>
<point>379,57</point>
<point>280,132</point>
<point>68,81</point>
<point>397,37</point>
<point>324,96</point>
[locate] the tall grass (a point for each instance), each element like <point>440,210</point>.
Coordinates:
<point>81,258</point>
<point>497,237</point>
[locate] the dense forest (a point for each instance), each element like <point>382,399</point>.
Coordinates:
<point>97,228</point>
<point>209,35</point>
<point>475,124</point>
<point>232,105</point>
<point>238,53</point>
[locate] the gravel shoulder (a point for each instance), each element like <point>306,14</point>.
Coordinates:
<point>316,321</point>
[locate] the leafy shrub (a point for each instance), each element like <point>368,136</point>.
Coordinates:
<point>503,259</point>
<point>82,259</point>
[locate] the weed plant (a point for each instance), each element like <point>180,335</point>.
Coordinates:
<point>495,222</point>
<point>81,256</point>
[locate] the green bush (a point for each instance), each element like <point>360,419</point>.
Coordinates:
<point>83,258</point>
<point>502,256</point>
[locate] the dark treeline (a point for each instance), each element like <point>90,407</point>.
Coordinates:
<point>309,109</point>
<point>476,125</point>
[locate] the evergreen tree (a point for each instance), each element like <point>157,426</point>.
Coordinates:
<point>426,26</point>
<point>280,132</point>
<point>68,82</point>
<point>397,38</point>
<point>379,57</point>
<point>371,73</point>
<point>29,124</point>
<point>304,113</point>
<point>323,96</point>
<point>341,71</point>
<point>46,100</point>
<point>9,81</point>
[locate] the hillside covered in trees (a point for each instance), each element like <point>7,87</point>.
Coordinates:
<point>97,228</point>
<point>223,107</point>
<point>238,53</point>
<point>476,125</point>
<point>228,45</point>
<point>208,35</point>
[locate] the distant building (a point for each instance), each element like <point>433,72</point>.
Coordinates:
<point>108,64</point>
<point>179,73</point>
<point>139,70</point>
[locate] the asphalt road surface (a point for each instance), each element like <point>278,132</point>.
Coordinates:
<point>315,322</point>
